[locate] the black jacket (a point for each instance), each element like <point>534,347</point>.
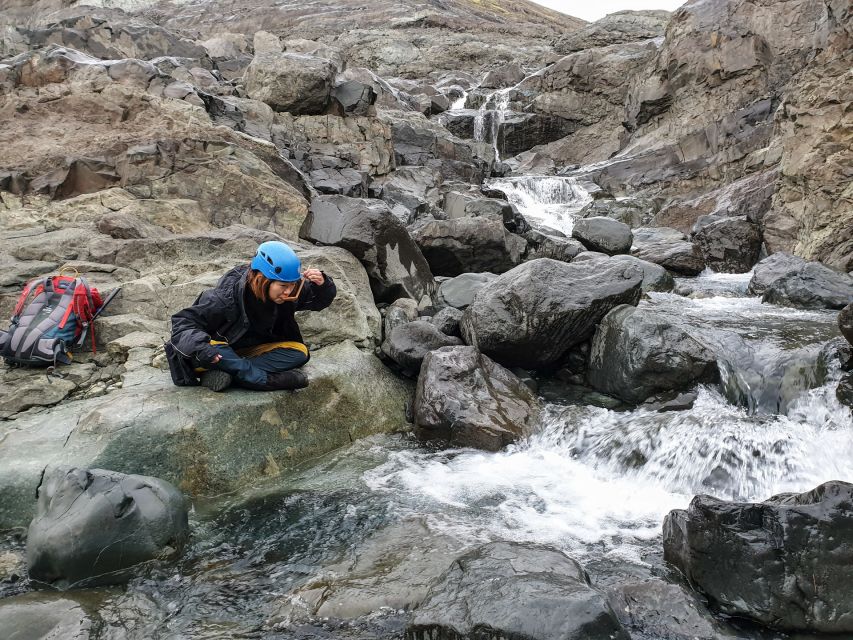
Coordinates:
<point>220,314</point>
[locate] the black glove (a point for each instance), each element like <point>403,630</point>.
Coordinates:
<point>206,356</point>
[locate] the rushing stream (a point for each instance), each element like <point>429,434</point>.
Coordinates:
<point>371,520</point>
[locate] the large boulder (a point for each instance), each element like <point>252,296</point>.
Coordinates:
<point>845,322</point>
<point>453,247</point>
<point>603,234</point>
<point>408,344</point>
<point>369,230</point>
<point>637,353</point>
<point>770,269</point>
<point>812,286</point>
<point>515,590</point>
<point>204,445</point>
<point>465,399</point>
<point>292,82</point>
<point>530,316</point>
<point>786,562</point>
<point>730,245</point>
<point>92,526</point>
<point>669,248</point>
<point>459,292</point>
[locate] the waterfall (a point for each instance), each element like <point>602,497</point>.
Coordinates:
<point>547,202</point>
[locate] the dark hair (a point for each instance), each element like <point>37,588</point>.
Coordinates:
<point>258,284</point>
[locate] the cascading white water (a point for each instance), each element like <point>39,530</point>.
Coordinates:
<point>493,110</point>
<point>598,482</point>
<point>459,103</point>
<point>549,202</point>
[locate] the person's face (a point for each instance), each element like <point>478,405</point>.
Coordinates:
<point>284,291</point>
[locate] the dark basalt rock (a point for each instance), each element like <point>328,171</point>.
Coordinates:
<point>637,353</point>
<point>459,292</point>
<point>770,269</point>
<point>786,562</point>
<point>370,231</point>
<point>92,526</point>
<point>531,315</point>
<point>730,245</point>
<point>408,344</point>
<point>812,286</point>
<point>353,98</point>
<point>603,234</point>
<point>453,247</point>
<point>668,248</point>
<point>505,590</point>
<point>465,399</point>
<point>447,321</point>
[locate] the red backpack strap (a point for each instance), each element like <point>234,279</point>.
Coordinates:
<point>33,286</point>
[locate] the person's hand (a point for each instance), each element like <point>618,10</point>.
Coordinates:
<point>315,276</point>
<point>208,355</point>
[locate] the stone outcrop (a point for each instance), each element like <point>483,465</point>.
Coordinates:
<point>812,286</point>
<point>465,399</point>
<point>615,28</point>
<point>772,268</point>
<point>762,560</point>
<point>459,292</point>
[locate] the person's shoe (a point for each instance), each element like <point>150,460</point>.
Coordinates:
<point>216,380</point>
<point>280,381</point>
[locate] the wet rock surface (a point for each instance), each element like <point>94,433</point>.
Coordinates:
<point>506,589</point>
<point>465,399</point>
<point>812,286</point>
<point>92,526</point>
<point>761,560</point>
<point>369,230</point>
<point>408,344</point>
<point>454,247</point>
<point>532,315</point>
<point>603,234</point>
<point>668,248</point>
<point>459,292</point>
<point>731,245</point>
<point>636,353</point>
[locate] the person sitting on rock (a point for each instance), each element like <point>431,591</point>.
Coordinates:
<point>244,330</point>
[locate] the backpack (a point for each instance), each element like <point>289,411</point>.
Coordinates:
<point>51,315</point>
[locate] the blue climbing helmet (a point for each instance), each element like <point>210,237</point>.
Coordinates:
<point>277,261</point>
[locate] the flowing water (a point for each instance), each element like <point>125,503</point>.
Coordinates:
<point>547,202</point>
<point>594,482</point>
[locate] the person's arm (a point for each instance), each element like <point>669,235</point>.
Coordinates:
<point>316,296</point>
<point>191,327</point>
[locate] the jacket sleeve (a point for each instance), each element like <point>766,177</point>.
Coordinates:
<point>316,297</point>
<point>192,327</point>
